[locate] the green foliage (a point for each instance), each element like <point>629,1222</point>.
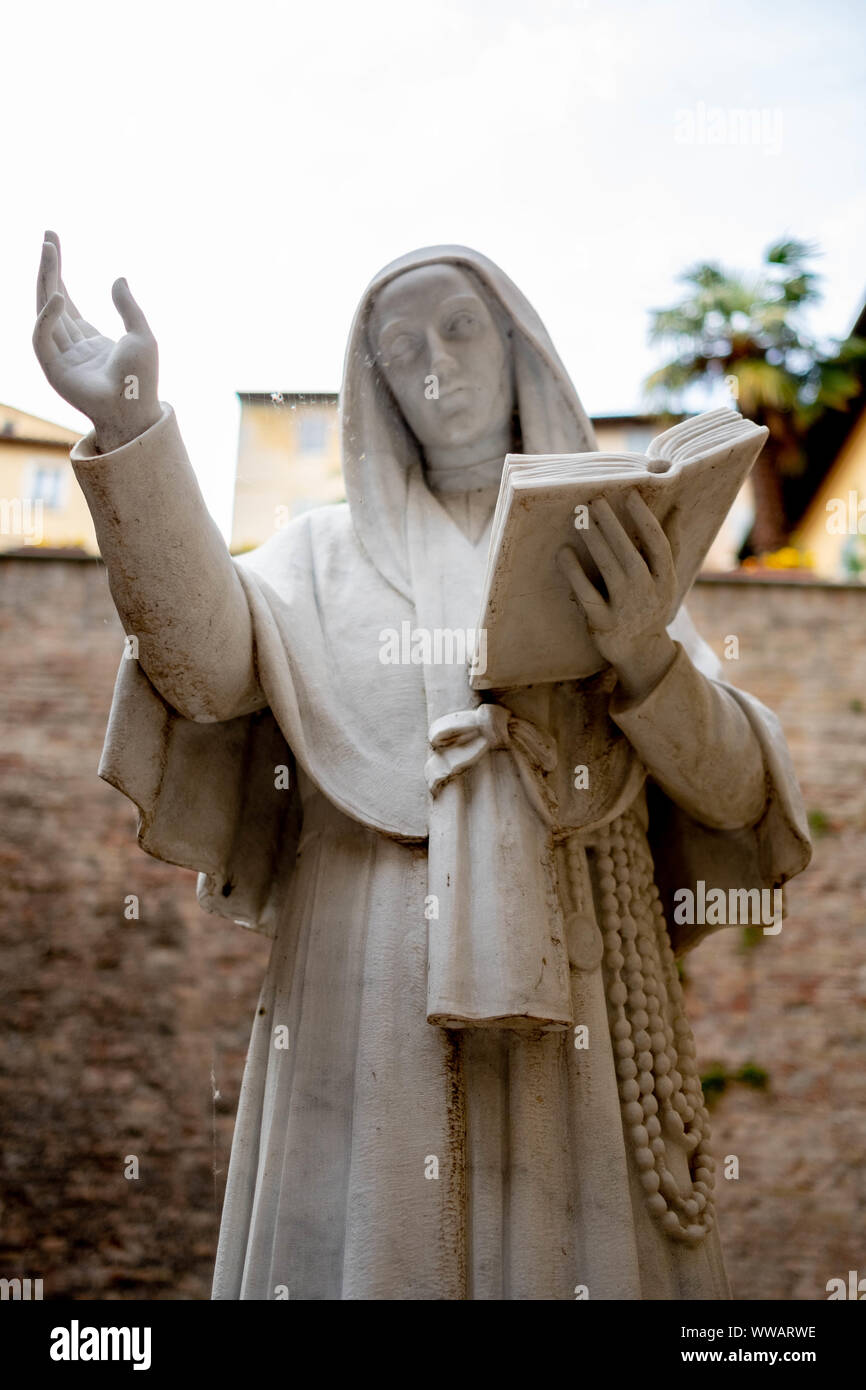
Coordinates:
<point>752,1075</point>
<point>732,324</point>
<point>748,330</point>
<point>716,1080</point>
<point>819,823</point>
<point>853,556</point>
<point>714,1083</point>
<point>751,936</point>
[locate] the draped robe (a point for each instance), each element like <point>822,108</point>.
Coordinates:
<point>381,1154</point>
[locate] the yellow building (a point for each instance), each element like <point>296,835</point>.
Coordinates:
<point>288,461</point>
<point>833,528</point>
<point>289,457</point>
<point>41,504</point>
<point>831,516</point>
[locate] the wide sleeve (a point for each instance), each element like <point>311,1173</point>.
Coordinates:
<point>219,798</point>
<point>687,847</point>
<point>171,577</point>
<point>696,742</point>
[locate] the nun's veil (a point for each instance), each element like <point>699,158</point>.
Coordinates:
<point>379,449</point>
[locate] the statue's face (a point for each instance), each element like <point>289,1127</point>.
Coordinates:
<point>444,356</point>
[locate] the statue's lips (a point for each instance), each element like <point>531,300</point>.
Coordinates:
<point>456,398</point>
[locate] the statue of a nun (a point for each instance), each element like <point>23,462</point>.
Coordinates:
<point>470,1073</point>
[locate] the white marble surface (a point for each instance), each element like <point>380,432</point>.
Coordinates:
<point>487,1087</point>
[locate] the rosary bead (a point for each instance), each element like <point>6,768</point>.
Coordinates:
<point>668,1184</point>
<point>674,1123</point>
<point>653,1047</point>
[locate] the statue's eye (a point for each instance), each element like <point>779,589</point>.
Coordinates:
<point>464,324</point>
<point>402,347</point>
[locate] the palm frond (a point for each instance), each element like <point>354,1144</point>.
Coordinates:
<point>791,252</point>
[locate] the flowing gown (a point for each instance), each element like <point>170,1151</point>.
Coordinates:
<point>377,1155</point>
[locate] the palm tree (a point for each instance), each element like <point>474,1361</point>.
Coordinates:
<point>748,330</point>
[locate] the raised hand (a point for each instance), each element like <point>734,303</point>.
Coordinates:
<point>629,625</point>
<point>113,383</point>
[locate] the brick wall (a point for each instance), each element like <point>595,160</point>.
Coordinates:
<point>113,1028</point>
<point>793,1004</point>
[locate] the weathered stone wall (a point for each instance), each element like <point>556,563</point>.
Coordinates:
<point>113,1029</point>
<point>795,1004</point>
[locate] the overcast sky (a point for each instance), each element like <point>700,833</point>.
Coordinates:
<point>250,166</point>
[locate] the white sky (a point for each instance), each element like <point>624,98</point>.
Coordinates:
<point>250,166</point>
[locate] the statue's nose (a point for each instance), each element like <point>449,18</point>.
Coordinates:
<point>441,359</point>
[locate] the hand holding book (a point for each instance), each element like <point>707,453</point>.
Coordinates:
<point>627,621</point>
<point>638,528</point>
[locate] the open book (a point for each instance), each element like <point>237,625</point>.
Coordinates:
<point>534,625</point>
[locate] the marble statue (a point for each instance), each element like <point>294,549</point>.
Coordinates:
<point>490,1150</point>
